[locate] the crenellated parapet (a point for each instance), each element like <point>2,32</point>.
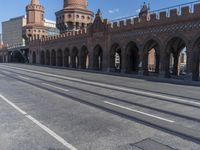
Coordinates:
<point>60,37</point>
<point>164,20</point>
<point>157,18</point>
<point>35,7</point>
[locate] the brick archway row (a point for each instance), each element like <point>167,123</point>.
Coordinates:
<point>129,58</point>
<point>63,58</point>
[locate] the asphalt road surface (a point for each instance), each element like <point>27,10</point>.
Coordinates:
<point>44,108</point>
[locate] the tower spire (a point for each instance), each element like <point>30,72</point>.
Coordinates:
<point>77,16</point>
<point>35,2</point>
<point>35,21</point>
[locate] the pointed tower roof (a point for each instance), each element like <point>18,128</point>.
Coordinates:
<point>75,3</point>
<point>35,2</point>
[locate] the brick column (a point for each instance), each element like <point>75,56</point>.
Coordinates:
<point>167,63</point>
<point>80,61</point>
<point>189,60</point>
<point>106,59</point>
<point>162,65</point>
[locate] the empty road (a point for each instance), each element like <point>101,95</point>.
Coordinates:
<point>44,108</point>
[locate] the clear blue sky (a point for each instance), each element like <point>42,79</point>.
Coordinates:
<point>111,8</point>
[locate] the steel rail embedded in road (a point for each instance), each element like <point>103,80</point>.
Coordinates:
<point>185,116</point>
<point>119,88</point>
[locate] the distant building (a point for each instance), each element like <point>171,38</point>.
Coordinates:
<point>12,31</point>
<point>183,58</point>
<point>51,27</point>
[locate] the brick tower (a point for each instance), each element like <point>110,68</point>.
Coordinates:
<point>35,21</point>
<point>74,16</point>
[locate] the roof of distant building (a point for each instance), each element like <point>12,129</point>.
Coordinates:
<point>50,21</point>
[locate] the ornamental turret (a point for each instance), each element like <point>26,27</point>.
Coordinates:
<point>73,16</point>
<point>35,21</point>
<point>144,11</point>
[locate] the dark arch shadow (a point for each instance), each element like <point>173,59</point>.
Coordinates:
<point>172,54</point>
<point>66,57</point>
<point>34,57</point>
<point>60,58</point>
<point>151,57</point>
<point>47,57</point>
<point>132,58</point>
<point>74,58</point>
<point>53,57</point>
<point>115,58</point>
<point>84,60</point>
<point>42,58</point>
<point>98,58</point>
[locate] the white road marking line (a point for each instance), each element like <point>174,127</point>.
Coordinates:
<point>24,77</point>
<point>140,112</point>
<point>66,90</point>
<point>13,105</point>
<point>46,129</point>
<point>176,99</point>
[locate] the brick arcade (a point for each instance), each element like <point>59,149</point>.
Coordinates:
<point>88,41</point>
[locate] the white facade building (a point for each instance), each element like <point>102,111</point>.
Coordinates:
<point>51,25</point>
<point>12,31</point>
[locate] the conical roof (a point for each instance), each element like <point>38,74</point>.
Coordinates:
<point>75,4</point>
<point>35,2</point>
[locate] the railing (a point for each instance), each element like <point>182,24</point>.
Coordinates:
<point>16,46</point>
<point>167,10</point>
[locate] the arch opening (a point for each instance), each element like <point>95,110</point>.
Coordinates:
<point>59,58</point>
<point>151,58</point>
<point>42,58</point>
<point>17,57</point>
<point>84,58</point>
<point>75,58</point>
<point>47,57</point>
<point>132,58</point>
<point>66,58</point>
<point>176,57</point>
<point>53,57</point>
<point>115,58</point>
<point>34,57</point>
<point>98,58</point>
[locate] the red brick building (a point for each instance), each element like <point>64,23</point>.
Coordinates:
<point>124,46</point>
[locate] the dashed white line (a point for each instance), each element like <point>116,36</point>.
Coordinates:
<point>22,77</point>
<point>46,129</point>
<point>140,112</point>
<point>59,88</point>
<point>176,99</point>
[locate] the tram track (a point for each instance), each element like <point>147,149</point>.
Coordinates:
<point>143,105</point>
<point>178,130</point>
